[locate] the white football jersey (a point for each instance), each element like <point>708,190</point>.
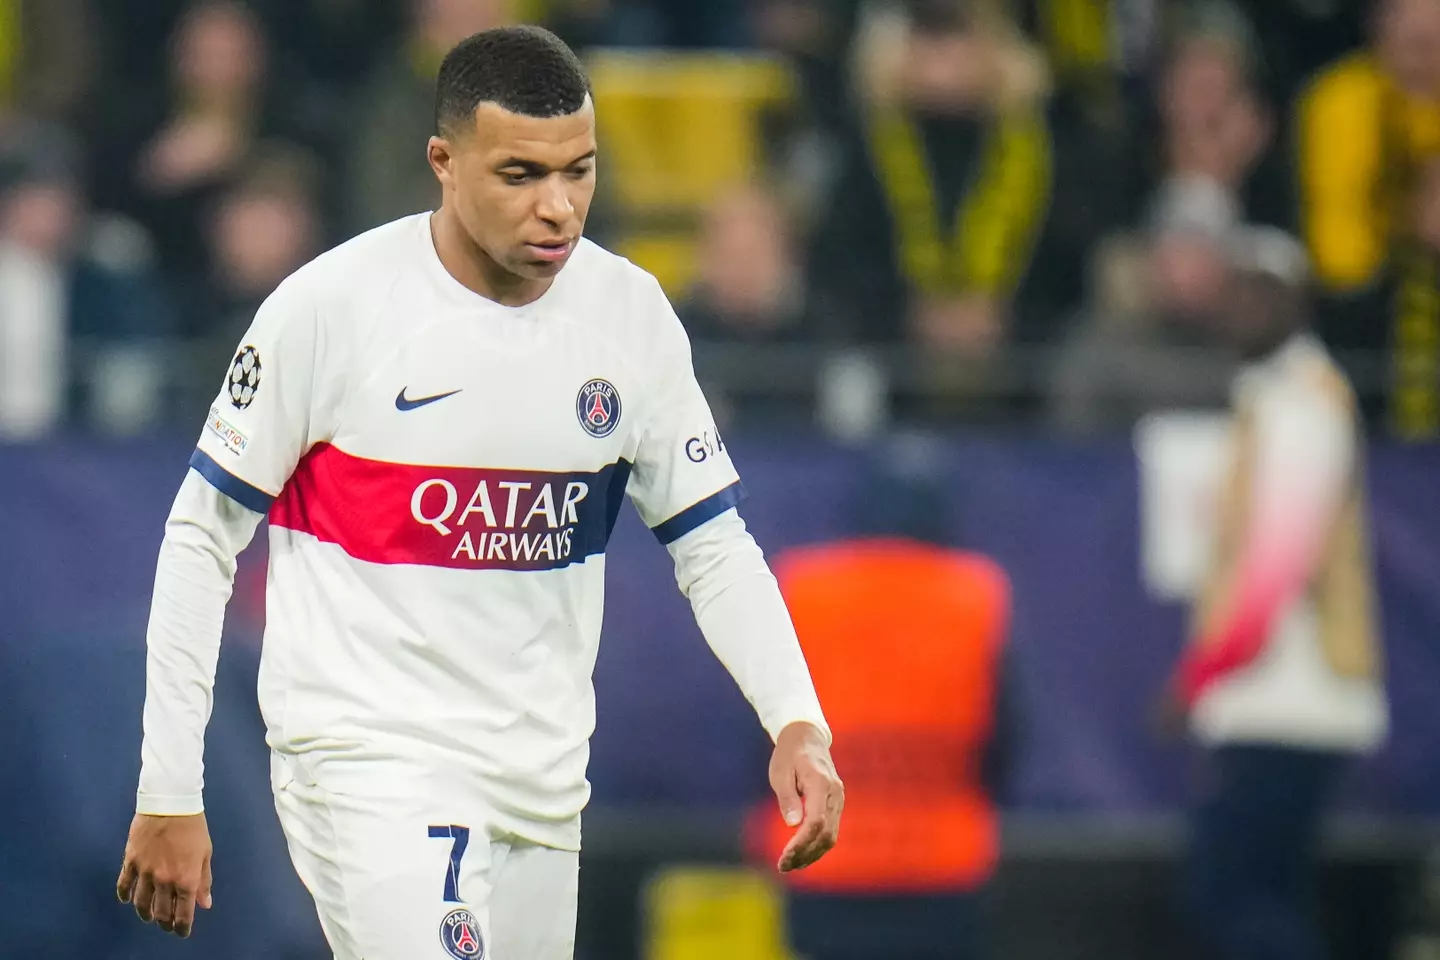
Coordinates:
<point>441,475</point>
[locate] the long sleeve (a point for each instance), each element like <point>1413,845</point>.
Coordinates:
<point>738,605</point>
<point>1304,457</point>
<point>205,533</point>
<point>267,413</point>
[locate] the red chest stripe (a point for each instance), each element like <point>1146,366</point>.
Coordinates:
<point>462,517</point>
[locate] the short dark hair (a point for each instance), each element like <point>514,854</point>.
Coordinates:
<point>524,69</point>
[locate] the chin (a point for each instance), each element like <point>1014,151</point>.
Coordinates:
<point>537,269</point>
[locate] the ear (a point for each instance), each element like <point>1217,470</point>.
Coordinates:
<point>441,154</point>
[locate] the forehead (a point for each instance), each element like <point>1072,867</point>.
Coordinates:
<point>554,141</point>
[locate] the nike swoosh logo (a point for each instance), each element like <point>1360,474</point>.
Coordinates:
<point>404,404</point>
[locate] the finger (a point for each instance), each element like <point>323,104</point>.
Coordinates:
<point>144,897</point>
<point>821,818</point>
<point>834,808</point>
<point>125,884</point>
<point>793,856</point>
<point>787,791</point>
<point>164,908</point>
<point>204,899</point>
<point>184,920</point>
<point>797,851</point>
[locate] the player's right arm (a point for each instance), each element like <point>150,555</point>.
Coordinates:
<point>265,417</point>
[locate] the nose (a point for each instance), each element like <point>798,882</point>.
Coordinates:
<point>552,201</point>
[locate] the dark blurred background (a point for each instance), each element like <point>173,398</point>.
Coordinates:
<point>1000,222</point>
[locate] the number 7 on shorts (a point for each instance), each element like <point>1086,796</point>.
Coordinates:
<point>461,836</point>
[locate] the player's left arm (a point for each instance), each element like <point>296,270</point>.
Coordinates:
<point>738,605</point>
<point>1304,460</point>
<point>686,489</point>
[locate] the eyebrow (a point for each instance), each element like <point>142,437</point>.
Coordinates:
<point>530,166</point>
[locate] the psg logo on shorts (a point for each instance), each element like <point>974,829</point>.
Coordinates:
<point>460,935</point>
<point>244,378</point>
<point>598,407</point>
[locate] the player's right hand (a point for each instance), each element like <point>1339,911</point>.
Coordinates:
<point>167,870</point>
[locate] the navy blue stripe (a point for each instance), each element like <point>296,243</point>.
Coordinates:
<point>229,484</point>
<point>692,516</point>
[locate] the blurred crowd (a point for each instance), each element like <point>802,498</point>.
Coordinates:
<point>1015,208</point>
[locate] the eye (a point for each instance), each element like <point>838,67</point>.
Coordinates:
<point>580,173</point>
<point>515,179</point>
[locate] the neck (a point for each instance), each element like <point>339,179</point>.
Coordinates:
<point>475,269</point>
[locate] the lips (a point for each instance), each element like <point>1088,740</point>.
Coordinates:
<point>551,250</point>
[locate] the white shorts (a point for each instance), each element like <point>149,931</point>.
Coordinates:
<point>411,874</point>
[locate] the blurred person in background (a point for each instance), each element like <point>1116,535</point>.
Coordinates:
<point>750,291</point>
<point>261,230</point>
<point>1148,95</point>
<point>1151,338</point>
<point>1107,53</point>
<point>943,194</point>
<point>1213,124</point>
<point>167,168</point>
<point>1368,131</point>
<point>906,637</point>
<point>387,178</point>
<point>1282,682</point>
<point>80,312</point>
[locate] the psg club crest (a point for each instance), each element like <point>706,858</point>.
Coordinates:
<point>598,407</point>
<point>460,935</point>
<point>244,378</point>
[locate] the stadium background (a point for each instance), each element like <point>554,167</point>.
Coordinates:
<point>163,163</point>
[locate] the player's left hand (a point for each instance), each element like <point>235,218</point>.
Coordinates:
<point>810,793</point>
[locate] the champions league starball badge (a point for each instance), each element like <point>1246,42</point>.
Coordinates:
<point>244,378</point>
<point>460,935</point>
<point>598,407</point>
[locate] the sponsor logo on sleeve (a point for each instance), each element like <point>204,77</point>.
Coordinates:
<point>705,446</point>
<point>244,379</point>
<point>226,432</point>
<point>598,408</point>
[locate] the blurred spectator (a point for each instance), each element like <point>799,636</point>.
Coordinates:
<point>749,287</point>
<point>389,177</point>
<point>79,313</point>
<point>931,228</point>
<point>1369,127</point>
<point>1213,124</point>
<point>906,638</point>
<point>167,168</point>
<point>1282,682</point>
<point>262,229</point>
<point>1107,53</point>
<point>1149,338</point>
<point>749,291</point>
